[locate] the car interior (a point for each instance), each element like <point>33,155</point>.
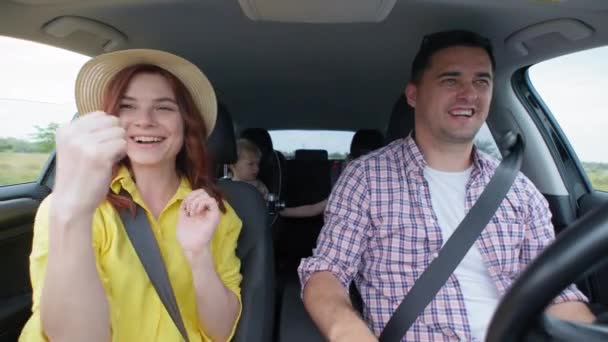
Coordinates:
<point>329,65</point>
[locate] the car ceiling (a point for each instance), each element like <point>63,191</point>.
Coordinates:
<point>306,76</point>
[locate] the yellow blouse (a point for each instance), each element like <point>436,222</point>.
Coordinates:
<point>137,314</point>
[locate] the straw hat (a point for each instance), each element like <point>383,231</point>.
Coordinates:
<point>95,75</point>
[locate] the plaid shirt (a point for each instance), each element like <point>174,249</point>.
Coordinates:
<point>381,231</point>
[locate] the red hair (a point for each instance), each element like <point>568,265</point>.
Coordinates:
<point>192,160</point>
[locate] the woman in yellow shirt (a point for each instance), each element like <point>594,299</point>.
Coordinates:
<point>141,141</point>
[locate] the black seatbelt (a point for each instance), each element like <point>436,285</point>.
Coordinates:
<point>457,246</point>
<point>145,245</point>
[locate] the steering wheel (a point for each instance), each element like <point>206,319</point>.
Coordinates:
<point>576,251</point>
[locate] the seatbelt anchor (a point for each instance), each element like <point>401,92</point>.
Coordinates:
<point>509,141</point>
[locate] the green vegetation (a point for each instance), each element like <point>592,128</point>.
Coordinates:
<point>22,160</point>
<point>337,156</point>
<point>598,174</point>
<point>43,141</point>
<point>18,167</point>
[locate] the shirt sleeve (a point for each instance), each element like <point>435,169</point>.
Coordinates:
<point>538,235</point>
<point>227,264</point>
<point>343,238</point>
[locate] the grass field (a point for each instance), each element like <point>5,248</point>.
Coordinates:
<point>599,180</point>
<point>20,167</point>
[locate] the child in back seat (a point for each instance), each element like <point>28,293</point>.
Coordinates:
<point>246,167</point>
<point>246,170</point>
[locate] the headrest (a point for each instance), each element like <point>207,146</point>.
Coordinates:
<point>364,141</point>
<point>401,122</point>
<point>221,142</point>
<point>261,138</point>
<point>311,155</point>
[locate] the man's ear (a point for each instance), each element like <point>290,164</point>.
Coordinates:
<point>411,93</point>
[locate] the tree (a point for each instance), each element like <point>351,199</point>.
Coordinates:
<point>5,145</point>
<point>44,138</point>
<point>337,156</point>
<point>16,145</point>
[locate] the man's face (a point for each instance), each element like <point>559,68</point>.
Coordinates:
<point>452,98</point>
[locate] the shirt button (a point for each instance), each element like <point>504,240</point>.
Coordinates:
<point>435,255</point>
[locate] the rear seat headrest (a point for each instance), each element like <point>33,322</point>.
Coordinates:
<point>401,122</point>
<point>260,137</point>
<point>222,143</point>
<point>365,140</point>
<point>311,155</point>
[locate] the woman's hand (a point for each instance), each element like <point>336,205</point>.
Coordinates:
<point>87,148</point>
<point>73,302</point>
<point>199,216</point>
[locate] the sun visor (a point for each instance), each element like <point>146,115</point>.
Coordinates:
<point>317,11</point>
<point>565,29</point>
<point>67,26</point>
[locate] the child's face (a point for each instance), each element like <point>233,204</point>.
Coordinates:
<point>247,167</point>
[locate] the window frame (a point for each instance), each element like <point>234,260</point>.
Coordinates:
<point>568,164</point>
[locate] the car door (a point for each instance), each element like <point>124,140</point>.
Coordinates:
<point>566,95</point>
<point>18,204</point>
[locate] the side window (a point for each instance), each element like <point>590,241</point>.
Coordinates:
<point>36,97</point>
<point>574,89</point>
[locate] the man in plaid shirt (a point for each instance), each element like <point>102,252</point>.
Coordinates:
<point>393,209</point>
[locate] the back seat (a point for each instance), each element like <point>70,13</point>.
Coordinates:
<point>294,323</point>
<point>365,141</point>
<point>308,182</point>
<point>254,247</point>
<point>401,122</point>
<point>309,177</point>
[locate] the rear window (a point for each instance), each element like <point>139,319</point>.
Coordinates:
<point>336,143</point>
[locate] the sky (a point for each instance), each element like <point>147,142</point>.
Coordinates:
<point>37,88</point>
<point>332,141</point>
<point>575,87</point>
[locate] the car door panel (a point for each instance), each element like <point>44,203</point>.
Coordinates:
<point>599,279</point>
<point>18,204</point>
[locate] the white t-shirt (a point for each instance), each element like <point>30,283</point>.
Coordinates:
<point>448,194</point>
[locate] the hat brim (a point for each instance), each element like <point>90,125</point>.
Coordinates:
<point>95,75</point>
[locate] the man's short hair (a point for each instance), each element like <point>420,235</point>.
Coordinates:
<point>245,145</point>
<point>445,39</point>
